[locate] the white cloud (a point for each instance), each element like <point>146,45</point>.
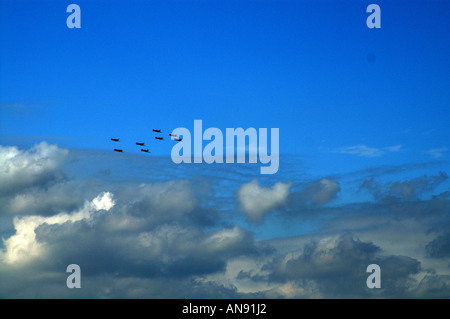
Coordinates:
<point>394,148</point>
<point>255,200</point>
<point>23,246</point>
<point>361,150</point>
<point>104,201</point>
<point>24,168</point>
<point>437,152</point>
<point>366,151</point>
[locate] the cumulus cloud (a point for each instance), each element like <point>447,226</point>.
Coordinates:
<point>49,200</point>
<point>335,267</point>
<point>23,246</point>
<point>169,250</point>
<point>177,251</point>
<point>256,201</point>
<point>24,168</point>
<point>150,205</point>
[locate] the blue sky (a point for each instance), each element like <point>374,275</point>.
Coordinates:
<point>363,116</point>
<point>296,65</point>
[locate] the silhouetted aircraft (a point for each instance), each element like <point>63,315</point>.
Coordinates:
<point>115,139</point>
<point>157,131</point>
<point>142,150</point>
<point>140,144</point>
<point>117,150</point>
<point>173,135</point>
<point>158,138</point>
<point>178,139</point>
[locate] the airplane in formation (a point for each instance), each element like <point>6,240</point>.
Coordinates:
<point>178,139</point>
<point>174,136</point>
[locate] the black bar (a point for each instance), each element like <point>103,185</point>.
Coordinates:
<point>229,308</point>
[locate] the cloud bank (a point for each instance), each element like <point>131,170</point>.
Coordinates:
<point>20,169</point>
<point>141,236</point>
<point>256,201</point>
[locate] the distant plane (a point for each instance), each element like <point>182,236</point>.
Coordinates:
<point>142,150</point>
<point>178,139</point>
<point>115,139</point>
<point>173,135</point>
<point>117,150</point>
<point>140,144</point>
<point>157,131</point>
<point>158,138</point>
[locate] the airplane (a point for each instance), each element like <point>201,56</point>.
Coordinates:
<point>158,138</point>
<point>117,150</point>
<point>142,150</point>
<point>173,135</point>
<point>140,144</point>
<point>178,139</point>
<point>157,131</point>
<point>115,139</point>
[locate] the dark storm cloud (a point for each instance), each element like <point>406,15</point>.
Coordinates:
<point>168,251</point>
<point>433,286</point>
<point>38,283</point>
<point>439,247</point>
<point>336,268</point>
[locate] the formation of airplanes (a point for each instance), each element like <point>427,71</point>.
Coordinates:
<point>173,136</point>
